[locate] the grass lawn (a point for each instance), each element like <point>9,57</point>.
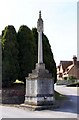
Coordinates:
<point>73,85</point>
<point>59,96</point>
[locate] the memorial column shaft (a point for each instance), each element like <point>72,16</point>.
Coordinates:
<point>40,31</point>
<point>40,51</point>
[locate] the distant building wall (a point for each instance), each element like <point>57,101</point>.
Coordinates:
<point>73,72</point>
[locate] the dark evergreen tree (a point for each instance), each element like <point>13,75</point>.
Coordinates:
<point>35,39</point>
<point>48,58</point>
<point>47,54</point>
<point>20,51</point>
<point>10,66</point>
<point>26,52</point>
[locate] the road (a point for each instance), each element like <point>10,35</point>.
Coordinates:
<point>67,110</point>
<point>71,104</point>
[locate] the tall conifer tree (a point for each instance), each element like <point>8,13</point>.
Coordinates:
<point>26,52</point>
<point>10,66</point>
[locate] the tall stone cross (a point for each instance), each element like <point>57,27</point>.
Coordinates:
<point>39,83</point>
<point>40,30</point>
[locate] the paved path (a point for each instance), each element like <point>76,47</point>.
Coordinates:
<point>67,110</point>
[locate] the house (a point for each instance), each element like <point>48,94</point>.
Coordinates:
<point>67,69</point>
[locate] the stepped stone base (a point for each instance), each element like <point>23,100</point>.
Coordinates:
<point>33,107</point>
<point>39,87</point>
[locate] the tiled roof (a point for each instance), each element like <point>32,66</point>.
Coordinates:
<point>68,65</point>
<point>65,64</point>
<point>69,68</point>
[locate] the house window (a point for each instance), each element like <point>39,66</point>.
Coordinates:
<point>60,74</point>
<point>67,69</point>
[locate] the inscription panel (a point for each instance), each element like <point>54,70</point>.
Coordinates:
<point>31,87</point>
<point>45,86</point>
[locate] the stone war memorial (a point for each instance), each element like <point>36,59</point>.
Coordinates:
<point>39,83</point>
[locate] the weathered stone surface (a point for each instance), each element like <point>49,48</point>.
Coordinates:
<point>40,72</point>
<point>40,30</point>
<point>39,83</point>
<point>39,87</point>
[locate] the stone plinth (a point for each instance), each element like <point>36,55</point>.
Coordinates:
<point>39,87</point>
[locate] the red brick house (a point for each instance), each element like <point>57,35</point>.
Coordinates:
<point>68,68</point>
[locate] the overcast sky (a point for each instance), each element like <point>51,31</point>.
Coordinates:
<point>60,22</point>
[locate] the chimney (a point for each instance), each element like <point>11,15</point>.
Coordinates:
<point>74,60</point>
